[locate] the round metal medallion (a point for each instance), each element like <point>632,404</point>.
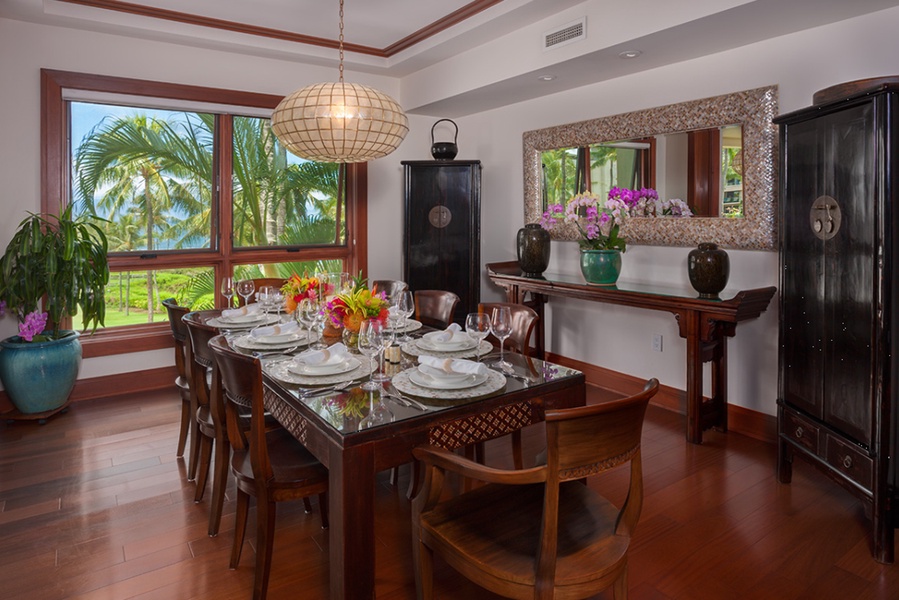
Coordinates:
<point>440,216</point>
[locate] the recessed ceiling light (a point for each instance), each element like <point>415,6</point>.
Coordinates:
<point>546,77</point>
<point>630,54</point>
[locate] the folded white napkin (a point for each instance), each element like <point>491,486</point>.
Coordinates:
<point>279,329</point>
<point>453,366</point>
<point>453,333</point>
<point>332,355</point>
<point>249,309</point>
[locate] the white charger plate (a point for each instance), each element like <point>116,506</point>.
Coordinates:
<point>411,325</point>
<point>426,381</point>
<point>440,374</point>
<point>292,337</point>
<point>243,319</point>
<point>428,342</point>
<point>324,370</point>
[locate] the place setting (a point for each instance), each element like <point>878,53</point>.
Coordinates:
<point>245,317</point>
<point>326,367</point>
<point>445,378</point>
<point>452,342</point>
<point>281,336</point>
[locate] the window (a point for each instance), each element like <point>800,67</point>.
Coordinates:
<point>150,159</point>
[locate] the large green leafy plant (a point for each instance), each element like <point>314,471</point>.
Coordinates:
<point>59,258</point>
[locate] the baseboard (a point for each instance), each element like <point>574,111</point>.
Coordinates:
<point>113,385</point>
<point>747,422</point>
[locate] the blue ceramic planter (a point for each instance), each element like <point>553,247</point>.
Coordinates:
<point>601,267</point>
<point>39,376</point>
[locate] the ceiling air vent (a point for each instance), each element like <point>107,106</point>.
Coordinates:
<point>571,32</point>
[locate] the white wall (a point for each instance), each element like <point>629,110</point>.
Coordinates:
<point>617,337</point>
<point>614,337</point>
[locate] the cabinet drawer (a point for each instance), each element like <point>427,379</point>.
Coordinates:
<point>850,460</point>
<point>800,431</point>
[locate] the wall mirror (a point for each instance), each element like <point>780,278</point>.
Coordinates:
<point>729,176</point>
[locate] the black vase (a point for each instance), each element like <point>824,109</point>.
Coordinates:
<point>533,249</point>
<point>709,268</point>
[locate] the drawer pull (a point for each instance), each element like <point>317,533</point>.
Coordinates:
<point>799,432</point>
<point>847,461</point>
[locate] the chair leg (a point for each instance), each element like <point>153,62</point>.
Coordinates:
<point>185,426</point>
<point>323,508</point>
<point>414,479</point>
<point>265,535</point>
<point>619,588</point>
<point>219,483</point>
<point>194,447</point>
<point>203,472</point>
<point>516,449</point>
<point>394,476</point>
<point>240,526</point>
<point>307,505</point>
<point>424,572</point>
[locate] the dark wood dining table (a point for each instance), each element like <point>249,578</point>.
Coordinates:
<point>334,428</point>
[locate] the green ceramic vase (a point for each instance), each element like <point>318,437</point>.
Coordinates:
<point>601,267</point>
<point>39,376</point>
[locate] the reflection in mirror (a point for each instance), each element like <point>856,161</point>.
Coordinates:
<point>703,168</point>
<point>717,154</point>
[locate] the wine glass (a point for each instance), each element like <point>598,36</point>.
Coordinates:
<point>370,344</point>
<point>263,296</point>
<point>228,290</point>
<point>319,325</point>
<point>388,339</point>
<point>246,287</point>
<point>477,326</point>
<point>378,412</point>
<point>501,327</point>
<point>405,306</point>
<point>305,315</point>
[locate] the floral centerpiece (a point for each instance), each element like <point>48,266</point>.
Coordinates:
<point>349,308</point>
<point>297,288</point>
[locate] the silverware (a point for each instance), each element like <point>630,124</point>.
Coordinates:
<point>394,393</point>
<point>312,392</point>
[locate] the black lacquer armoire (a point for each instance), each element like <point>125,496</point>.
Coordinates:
<point>442,234</point>
<point>839,319</point>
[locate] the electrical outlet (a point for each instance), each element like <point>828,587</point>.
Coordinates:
<point>657,342</point>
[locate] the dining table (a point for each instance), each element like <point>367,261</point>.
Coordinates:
<point>357,433</point>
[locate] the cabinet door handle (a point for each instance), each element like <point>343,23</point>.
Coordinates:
<point>799,432</point>
<point>847,461</point>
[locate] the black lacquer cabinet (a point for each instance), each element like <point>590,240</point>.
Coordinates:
<point>838,314</point>
<point>442,234</point>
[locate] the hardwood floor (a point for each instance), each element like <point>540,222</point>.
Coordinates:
<point>94,504</point>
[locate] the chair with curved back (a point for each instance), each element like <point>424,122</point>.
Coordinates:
<point>182,366</point>
<point>259,282</point>
<point>391,287</point>
<point>268,464</point>
<point>540,532</point>
<point>209,416</point>
<point>435,308</point>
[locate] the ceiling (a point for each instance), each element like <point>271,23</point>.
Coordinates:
<point>399,38</point>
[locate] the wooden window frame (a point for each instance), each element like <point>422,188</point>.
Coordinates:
<point>56,188</point>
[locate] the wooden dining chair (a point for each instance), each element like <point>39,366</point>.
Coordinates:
<point>182,367</point>
<point>210,416</point>
<point>435,308</point>
<point>540,532</point>
<point>277,282</point>
<point>391,287</point>
<point>270,465</point>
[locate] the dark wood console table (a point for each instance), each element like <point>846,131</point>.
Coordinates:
<point>705,324</point>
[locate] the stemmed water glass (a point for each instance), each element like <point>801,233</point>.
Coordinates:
<point>388,339</point>
<point>477,326</point>
<point>246,287</point>
<point>305,316</point>
<point>228,290</point>
<point>405,306</point>
<point>501,327</point>
<point>370,344</point>
<point>264,297</point>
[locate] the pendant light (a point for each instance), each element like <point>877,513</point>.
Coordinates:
<point>339,122</point>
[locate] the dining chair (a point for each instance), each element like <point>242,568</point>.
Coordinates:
<point>182,367</point>
<point>539,532</point>
<point>524,321</point>
<point>435,308</point>
<point>270,465</point>
<point>391,287</point>
<point>210,419</point>
<point>259,282</point>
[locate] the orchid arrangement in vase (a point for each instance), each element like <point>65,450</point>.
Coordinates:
<point>598,221</point>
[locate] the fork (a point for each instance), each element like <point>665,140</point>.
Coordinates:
<point>394,393</point>
<point>312,392</point>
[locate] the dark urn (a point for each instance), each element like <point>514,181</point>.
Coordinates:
<point>533,249</point>
<point>709,268</point>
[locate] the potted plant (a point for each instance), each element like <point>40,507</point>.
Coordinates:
<point>61,261</point>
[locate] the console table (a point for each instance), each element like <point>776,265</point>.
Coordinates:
<point>705,324</point>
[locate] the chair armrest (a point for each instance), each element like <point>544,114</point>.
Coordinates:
<point>448,461</point>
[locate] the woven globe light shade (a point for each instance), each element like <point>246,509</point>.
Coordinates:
<point>339,122</point>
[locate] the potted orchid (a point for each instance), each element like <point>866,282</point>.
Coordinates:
<point>54,268</point>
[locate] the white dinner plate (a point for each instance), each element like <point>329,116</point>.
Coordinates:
<point>441,375</point>
<point>321,370</point>
<point>428,342</point>
<point>243,319</point>
<point>281,338</point>
<point>424,380</point>
<point>411,325</point>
